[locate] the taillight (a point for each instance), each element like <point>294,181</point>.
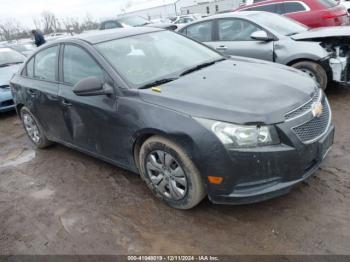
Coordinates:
<point>329,15</point>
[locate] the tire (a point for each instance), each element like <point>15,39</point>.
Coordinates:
<point>195,189</point>
<point>39,140</point>
<point>315,70</point>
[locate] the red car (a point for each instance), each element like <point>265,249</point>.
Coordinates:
<point>313,13</point>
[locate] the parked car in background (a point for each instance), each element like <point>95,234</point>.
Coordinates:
<point>192,122</point>
<point>185,19</point>
<point>10,61</point>
<point>312,13</point>
<point>322,53</point>
<point>134,21</point>
<point>25,48</point>
<point>346,4</point>
<point>56,35</point>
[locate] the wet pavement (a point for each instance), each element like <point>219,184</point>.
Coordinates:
<point>59,201</point>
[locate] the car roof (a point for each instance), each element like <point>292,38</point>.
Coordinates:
<point>268,2</point>
<point>243,14</point>
<point>110,34</point>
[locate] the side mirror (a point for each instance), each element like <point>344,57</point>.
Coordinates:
<point>261,36</point>
<point>92,86</point>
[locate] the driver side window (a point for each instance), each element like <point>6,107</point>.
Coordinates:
<point>236,30</point>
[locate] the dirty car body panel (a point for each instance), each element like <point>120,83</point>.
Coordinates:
<point>327,46</point>
<point>111,126</point>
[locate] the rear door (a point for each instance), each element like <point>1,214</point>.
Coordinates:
<point>39,86</point>
<point>234,38</point>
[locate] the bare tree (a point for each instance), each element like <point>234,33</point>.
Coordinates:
<point>10,29</point>
<point>72,25</point>
<point>37,23</point>
<point>49,21</point>
<point>89,23</point>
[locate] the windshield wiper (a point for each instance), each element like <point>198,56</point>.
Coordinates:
<point>9,64</point>
<point>291,34</point>
<point>199,67</point>
<point>158,82</point>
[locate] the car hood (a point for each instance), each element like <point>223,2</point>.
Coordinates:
<point>324,32</point>
<point>6,74</point>
<point>238,90</point>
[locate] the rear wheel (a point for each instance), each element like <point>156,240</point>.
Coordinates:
<point>33,129</point>
<point>315,71</point>
<point>171,175</point>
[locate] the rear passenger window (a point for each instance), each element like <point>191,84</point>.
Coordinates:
<point>201,31</point>
<point>273,8</point>
<point>78,64</point>
<point>30,68</point>
<point>329,3</point>
<point>45,64</point>
<point>293,7</point>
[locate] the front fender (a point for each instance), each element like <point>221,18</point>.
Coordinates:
<point>288,51</point>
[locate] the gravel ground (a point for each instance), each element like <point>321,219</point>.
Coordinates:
<point>59,201</point>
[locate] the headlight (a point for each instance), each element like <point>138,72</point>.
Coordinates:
<point>242,136</point>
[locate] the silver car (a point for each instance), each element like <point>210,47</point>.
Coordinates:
<point>322,53</point>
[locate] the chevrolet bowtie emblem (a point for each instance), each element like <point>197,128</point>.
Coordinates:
<point>317,109</point>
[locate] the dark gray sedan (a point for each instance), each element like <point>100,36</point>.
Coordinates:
<point>322,53</point>
<point>190,121</point>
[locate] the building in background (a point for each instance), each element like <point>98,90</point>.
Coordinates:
<point>211,7</point>
<point>155,9</point>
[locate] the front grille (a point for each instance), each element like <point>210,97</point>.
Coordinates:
<point>304,108</point>
<point>7,103</point>
<point>318,126</point>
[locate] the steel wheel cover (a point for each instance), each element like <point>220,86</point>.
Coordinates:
<point>167,175</point>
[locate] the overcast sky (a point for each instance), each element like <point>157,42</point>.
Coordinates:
<point>25,10</point>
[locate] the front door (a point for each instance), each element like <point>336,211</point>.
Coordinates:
<point>92,121</point>
<point>233,38</point>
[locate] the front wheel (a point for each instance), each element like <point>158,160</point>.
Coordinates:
<point>315,71</point>
<point>170,173</point>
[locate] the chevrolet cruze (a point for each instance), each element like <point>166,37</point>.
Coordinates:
<point>191,122</point>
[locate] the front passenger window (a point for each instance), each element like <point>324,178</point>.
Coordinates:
<point>78,64</point>
<point>235,30</point>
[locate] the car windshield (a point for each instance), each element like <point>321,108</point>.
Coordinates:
<point>9,56</point>
<point>23,47</point>
<point>152,57</point>
<point>278,24</point>
<point>133,21</point>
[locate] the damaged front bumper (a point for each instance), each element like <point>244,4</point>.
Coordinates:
<point>340,68</point>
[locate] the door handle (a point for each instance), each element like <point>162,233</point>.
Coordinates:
<point>65,103</point>
<point>223,48</point>
<point>32,92</point>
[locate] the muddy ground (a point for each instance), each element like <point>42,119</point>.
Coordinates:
<point>59,201</point>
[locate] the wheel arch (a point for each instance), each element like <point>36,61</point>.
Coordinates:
<point>18,109</point>
<point>323,63</point>
<point>182,139</point>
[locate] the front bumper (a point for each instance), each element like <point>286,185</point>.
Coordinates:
<point>271,172</point>
<point>6,102</point>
